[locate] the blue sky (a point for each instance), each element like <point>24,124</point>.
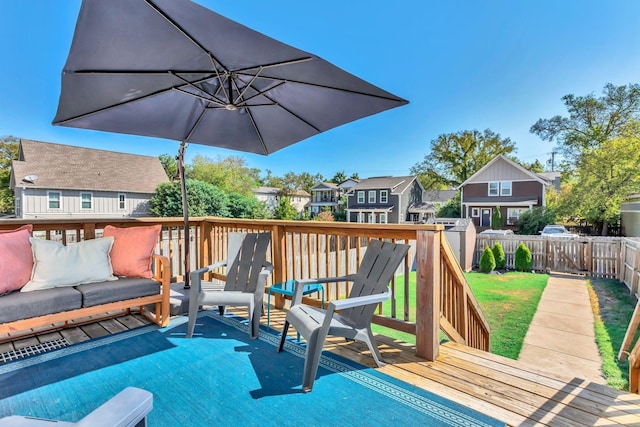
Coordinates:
<point>462,64</point>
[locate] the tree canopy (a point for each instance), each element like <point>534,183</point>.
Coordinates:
<point>454,157</point>
<point>591,120</point>
<point>203,198</point>
<point>229,174</point>
<point>9,146</point>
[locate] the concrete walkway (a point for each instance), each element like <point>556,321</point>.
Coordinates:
<point>561,337</point>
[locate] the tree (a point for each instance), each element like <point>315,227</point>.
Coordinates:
<point>499,256</point>
<point>496,219</point>
<point>454,157</point>
<point>535,167</point>
<point>9,146</point>
<point>451,209</point>
<point>229,174</point>
<point>604,179</point>
<point>487,261</point>
<point>284,209</point>
<point>591,121</point>
<point>523,260</point>
<point>339,177</point>
<point>241,206</point>
<point>169,164</point>
<point>203,198</point>
<point>325,215</point>
<point>534,220</point>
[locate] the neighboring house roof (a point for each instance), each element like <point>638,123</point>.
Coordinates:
<point>397,184</point>
<point>438,196</point>
<point>348,183</point>
<point>424,207</point>
<point>57,166</point>
<point>324,186</point>
<point>482,174</point>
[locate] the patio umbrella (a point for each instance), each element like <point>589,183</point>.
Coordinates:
<point>176,70</point>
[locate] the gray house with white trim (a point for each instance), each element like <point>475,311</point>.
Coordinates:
<point>387,200</point>
<point>61,181</point>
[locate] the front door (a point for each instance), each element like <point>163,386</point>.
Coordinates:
<point>485,218</point>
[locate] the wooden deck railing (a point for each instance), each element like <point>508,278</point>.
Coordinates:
<point>307,249</point>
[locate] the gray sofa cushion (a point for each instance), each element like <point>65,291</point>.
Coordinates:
<point>23,305</point>
<point>117,290</point>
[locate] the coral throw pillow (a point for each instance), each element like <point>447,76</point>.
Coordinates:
<point>132,250</point>
<point>16,259</point>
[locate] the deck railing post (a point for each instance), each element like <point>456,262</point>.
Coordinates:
<point>428,293</point>
<point>279,259</point>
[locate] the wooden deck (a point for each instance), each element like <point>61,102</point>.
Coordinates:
<point>500,387</point>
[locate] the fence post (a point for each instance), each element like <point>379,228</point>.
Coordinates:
<point>89,231</point>
<point>428,294</point>
<point>279,260</point>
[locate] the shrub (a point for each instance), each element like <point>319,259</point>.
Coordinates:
<point>498,254</point>
<point>523,261</point>
<point>496,219</point>
<point>487,261</point>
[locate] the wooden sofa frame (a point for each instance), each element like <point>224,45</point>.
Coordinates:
<point>161,301</point>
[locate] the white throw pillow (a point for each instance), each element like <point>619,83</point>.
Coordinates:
<point>56,265</point>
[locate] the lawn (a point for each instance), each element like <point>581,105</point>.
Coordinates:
<point>509,302</point>
<point>613,306</point>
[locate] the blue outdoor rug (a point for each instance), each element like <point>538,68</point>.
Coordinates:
<point>219,377</point>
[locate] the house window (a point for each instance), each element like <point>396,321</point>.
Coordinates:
<point>54,200</point>
<point>505,188</point>
<point>86,201</point>
<point>513,214</point>
<point>122,201</point>
<point>475,212</point>
<point>494,188</point>
<point>361,217</point>
<point>384,196</point>
<point>18,211</point>
<point>372,218</point>
<point>383,218</point>
<point>372,196</point>
<point>360,196</point>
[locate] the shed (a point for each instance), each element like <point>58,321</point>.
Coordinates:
<point>461,234</point>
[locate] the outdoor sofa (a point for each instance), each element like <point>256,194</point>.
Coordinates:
<point>65,283</point>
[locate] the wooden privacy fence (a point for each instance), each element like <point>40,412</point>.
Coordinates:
<point>593,256</point>
<point>439,299</point>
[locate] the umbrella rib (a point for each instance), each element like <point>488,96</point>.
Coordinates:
<point>293,114</point>
<point>195,125</point>
<point>274,64</point>
<point>204,98</point>
<point>182,30</point>
<point>255,127</point>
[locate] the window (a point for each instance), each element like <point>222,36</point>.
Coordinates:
<point>18,211</point>
<point>372,196</point>
<point>513,214</point>
<point>384,197</point>
<point>383,217</point>
<point>86,201</point>
<point>54,200</point>
<point>475,212</point>
<point>493,188</point>
<point>122,201</point>
<point>372,218</point>
<point>360,196</point>
<point>505,188</point>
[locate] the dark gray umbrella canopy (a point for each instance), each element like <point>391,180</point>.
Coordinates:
<point>173,69</point>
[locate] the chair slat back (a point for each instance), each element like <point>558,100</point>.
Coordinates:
<point>246,255</point>
<point>376,270</point>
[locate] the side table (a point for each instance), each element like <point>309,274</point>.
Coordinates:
<point>286,288</point>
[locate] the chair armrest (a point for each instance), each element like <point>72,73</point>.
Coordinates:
<point>300,284</point>
<point>162,273</point>
<point>125,409</point>
<point>196,279</point>
<point>358,301</point>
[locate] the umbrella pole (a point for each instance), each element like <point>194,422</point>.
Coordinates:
<point>185,210</point>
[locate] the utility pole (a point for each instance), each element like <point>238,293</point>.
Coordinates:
<point>553,160</point>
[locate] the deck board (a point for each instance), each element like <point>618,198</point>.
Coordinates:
<point>506,389</point>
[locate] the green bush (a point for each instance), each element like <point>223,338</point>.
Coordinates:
<point>534,220</point>
<point>524,261</point>
<point>487,261</point>
<point>499,256</point>
<point>496,219</point>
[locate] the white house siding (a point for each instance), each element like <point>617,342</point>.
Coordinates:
<point>34,203</point>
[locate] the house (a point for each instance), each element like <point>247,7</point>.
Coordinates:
<point>271,196</point>
<point>394,200</point>
<point>502,182</point>
<point>630,216</point>
<point>60,181</point>
<point>327,196</point>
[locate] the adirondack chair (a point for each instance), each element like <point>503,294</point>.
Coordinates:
<point>369,288</point>
<point>246,276</point>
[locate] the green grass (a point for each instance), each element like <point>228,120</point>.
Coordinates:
<point>613,307</point>
<point>509,302</point>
